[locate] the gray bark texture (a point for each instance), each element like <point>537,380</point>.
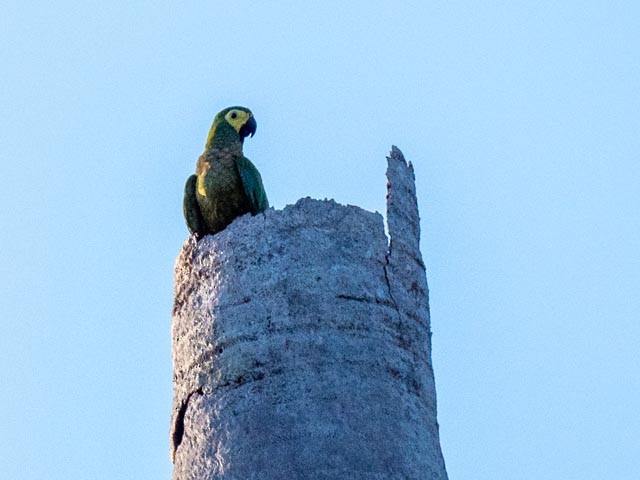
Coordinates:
<point>302,347</point>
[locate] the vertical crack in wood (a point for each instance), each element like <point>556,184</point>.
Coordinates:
<point>178,426</point>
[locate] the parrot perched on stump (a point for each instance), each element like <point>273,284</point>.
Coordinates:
<point>226,184</point>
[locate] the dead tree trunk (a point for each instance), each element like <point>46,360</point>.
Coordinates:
<point>301,346</point>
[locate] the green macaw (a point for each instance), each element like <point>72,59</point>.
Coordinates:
<point>226,184</point>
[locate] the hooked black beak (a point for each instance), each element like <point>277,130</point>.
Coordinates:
<point>248,128</point>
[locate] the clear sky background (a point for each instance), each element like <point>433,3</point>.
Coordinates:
<point>521,118</point>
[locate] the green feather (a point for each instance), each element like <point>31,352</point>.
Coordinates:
<point>252,183</point>
<point>191,209</point>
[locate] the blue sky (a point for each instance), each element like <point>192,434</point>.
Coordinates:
<point>521,119</point>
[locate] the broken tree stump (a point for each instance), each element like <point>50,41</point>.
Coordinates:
<point>302,346</point>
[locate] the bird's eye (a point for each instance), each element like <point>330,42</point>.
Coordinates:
<point>234,115</point>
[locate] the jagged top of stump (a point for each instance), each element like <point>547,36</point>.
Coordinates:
<point>402,209</point>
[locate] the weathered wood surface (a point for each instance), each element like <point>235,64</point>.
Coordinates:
<point>301,346</point>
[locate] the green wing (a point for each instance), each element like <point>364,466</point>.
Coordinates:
<point>191,209</point>
<point>252,183</point>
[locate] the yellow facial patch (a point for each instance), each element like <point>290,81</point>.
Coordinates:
<point>237,118</point>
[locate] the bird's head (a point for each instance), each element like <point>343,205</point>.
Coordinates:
<point>233,123</point>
